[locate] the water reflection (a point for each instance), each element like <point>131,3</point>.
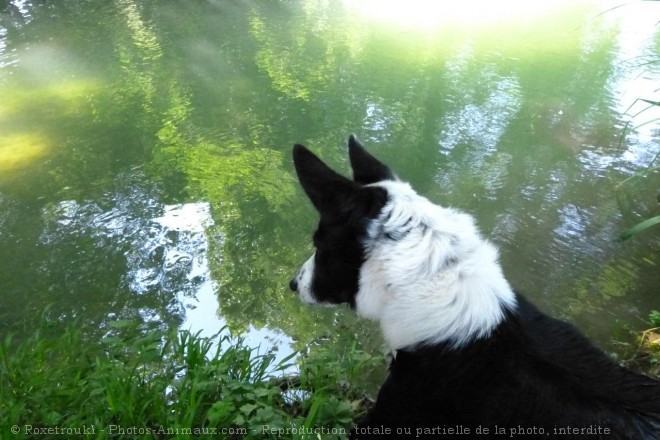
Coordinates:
<point>18,150</point>
<point>635,79</point>
<point>430,14</point>
<point>481,124</point>
<point>517,122</point>
<point>165,249</point>
<point>5,59</point>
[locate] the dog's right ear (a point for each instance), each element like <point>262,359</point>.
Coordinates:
<point>366,168</point>
<point>324,187</point>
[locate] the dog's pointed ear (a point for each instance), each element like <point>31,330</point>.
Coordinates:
<point>324,187</point>
<point>366,168</point>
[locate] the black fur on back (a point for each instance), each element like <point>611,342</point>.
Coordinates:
<point>533,373</point>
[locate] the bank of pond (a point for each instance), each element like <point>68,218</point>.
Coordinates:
<point>141,382</point>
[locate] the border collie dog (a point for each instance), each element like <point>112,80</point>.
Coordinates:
<point>471,357</point>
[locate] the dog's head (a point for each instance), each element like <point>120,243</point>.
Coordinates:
<point>421,269</point>
<point>346,208</point>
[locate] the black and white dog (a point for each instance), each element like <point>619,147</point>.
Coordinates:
<point>471,356</point>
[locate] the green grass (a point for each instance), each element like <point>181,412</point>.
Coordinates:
<point>650,345</point>
<point>137,383</point>
<point>642,349</point>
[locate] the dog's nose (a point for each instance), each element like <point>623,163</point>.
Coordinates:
<point>293,285</point>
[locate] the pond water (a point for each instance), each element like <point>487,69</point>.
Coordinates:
<point>145,168</point>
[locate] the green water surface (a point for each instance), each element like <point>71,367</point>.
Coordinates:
<point>145,167</point>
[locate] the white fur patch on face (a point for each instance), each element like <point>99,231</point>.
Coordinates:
<point>429,276</point>
<point>304,279</point>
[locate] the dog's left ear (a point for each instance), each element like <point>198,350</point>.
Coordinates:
<point>366,168</point>
<point>324,187</point>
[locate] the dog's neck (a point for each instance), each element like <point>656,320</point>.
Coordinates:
<point>429,277</point>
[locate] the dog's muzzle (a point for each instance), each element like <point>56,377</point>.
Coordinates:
<point>301,283</point>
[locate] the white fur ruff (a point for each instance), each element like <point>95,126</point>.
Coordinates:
<point>429,276</point>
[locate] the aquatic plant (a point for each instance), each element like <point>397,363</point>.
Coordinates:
<point>650,104</point>
<point>639,227</point>
<point>645,224</point>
